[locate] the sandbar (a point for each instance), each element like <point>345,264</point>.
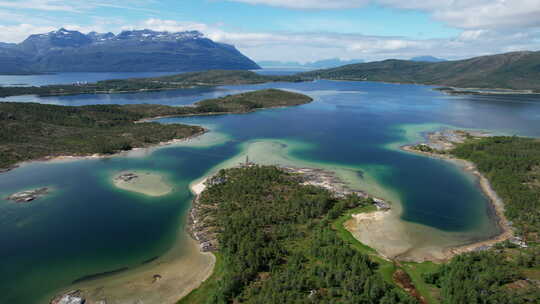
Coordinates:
<point>147,183</point>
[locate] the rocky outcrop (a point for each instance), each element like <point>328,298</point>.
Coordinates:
<point>126,177</point>
<point>72,297</point>
<point>28,196</point>
<point>198,220</point>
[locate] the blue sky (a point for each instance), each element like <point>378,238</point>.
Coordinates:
<point>302,30</point>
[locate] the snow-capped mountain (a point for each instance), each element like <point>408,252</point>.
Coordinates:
<point>138,50</point>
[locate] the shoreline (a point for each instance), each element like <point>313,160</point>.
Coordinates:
<point>495,203</point>
<point>457,90</point>
<point>67,157</point>
<point>161,280</point>
<point>217,113</point>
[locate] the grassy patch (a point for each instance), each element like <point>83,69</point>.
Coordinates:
<point>415,271</point>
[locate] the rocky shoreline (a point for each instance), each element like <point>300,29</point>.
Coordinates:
<point>438,144</point>
<point>72,297</point>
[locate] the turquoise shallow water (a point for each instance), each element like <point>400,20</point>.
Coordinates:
<point>86,226</point>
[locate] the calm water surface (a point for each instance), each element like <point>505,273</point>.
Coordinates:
<point>86,226</point>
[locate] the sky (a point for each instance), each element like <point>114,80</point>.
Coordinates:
<point>301,30</point>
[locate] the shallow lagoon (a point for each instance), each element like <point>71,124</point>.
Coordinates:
<point>86,226</point>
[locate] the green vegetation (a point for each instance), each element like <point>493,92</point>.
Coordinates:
<point>518,71</point>
<point>285,243</point>
<point>425,148</point>
<point>277,244</point>
<point>250,101</point>
<point>506,273</point>
<point>512,165</point>
<point>30,131</point>
<point>416,271</point>
<point>486,277</point>
<point>180,81</point>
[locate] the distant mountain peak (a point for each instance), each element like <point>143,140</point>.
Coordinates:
<point>132,50</point>
<point>62,31</point>
<point>427,58</point>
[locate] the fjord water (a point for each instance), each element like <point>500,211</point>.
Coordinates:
<point>87,227</point>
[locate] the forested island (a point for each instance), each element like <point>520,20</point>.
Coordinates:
<point>171,82</point>
<point>32,131</point>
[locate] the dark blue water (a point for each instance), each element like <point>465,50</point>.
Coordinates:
<point>86,226</point>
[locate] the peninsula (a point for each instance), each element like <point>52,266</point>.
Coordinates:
<point>171,82</point>
<point>282,239</point>
<point>277,243</point>
<point>30,131</point>
<point>511,71</point>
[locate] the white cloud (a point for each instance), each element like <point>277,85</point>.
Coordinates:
<point>73,6</point>
<point>44,5</point>
<point>465,14</point>
<point>169,26</point>
<point>304,47</point>
<point>16,33</point>
<point>477,14</point>
<point>308,4</point>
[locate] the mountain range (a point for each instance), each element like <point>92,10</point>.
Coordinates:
<point>129,51</point>
<point>516,70</point>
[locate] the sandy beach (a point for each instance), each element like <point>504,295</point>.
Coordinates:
<point>164,280</point>
<point>198,187</point>
<point>393,238</point>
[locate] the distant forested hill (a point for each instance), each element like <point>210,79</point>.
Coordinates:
<point>517,70</point>
<point>129,51</point>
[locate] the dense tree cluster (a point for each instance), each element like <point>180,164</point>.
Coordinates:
<point>278,246</point>
<point>30,130</point>
<point>512,165</point>
<point>500,275</point>
<point>484,277</point>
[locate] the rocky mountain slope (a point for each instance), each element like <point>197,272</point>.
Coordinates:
<point>129,51</point>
